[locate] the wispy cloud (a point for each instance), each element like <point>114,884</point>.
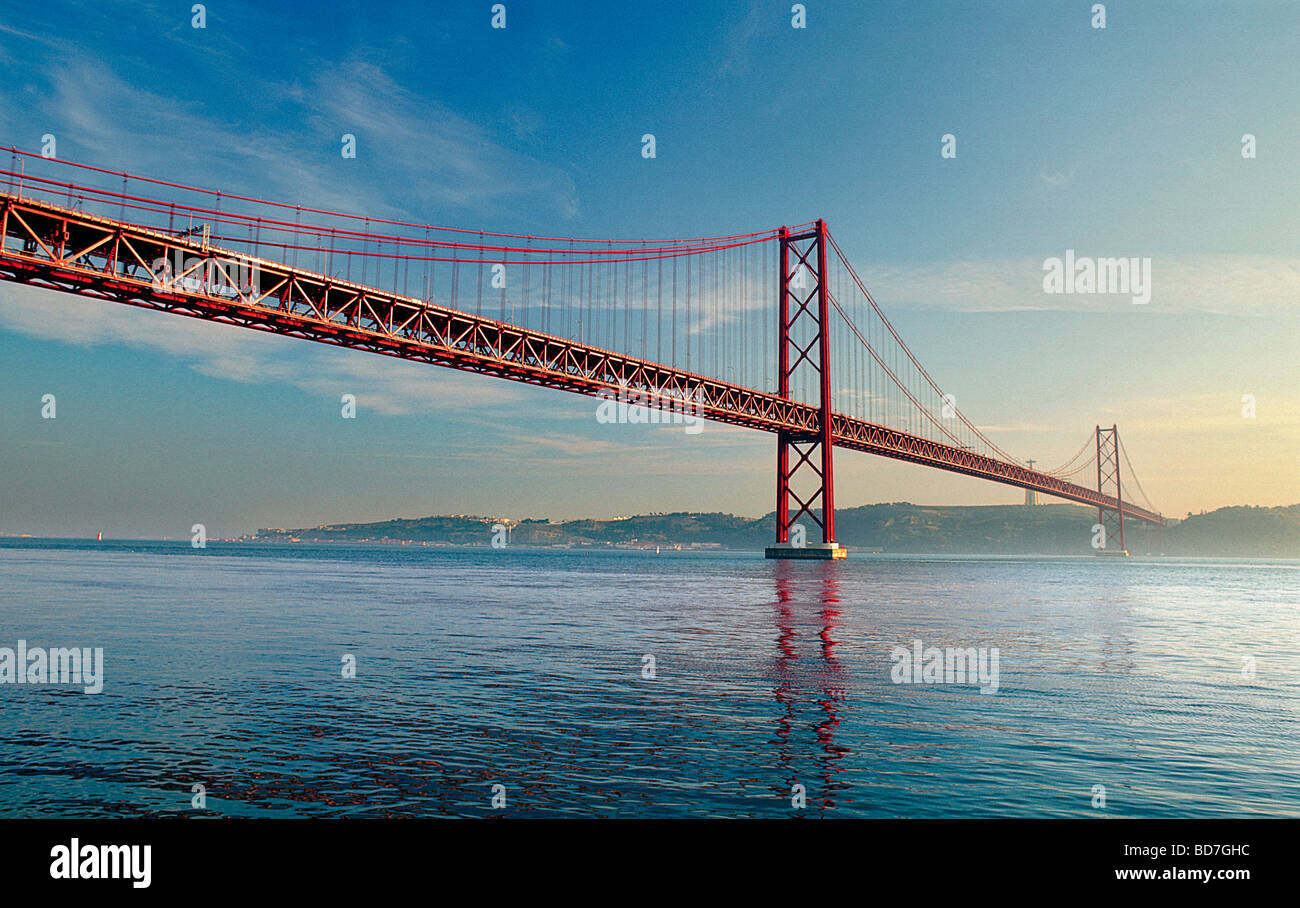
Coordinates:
<point>1225,284</point>
<point>657,450</point>
<point>738,43</point>
<point>416,158</point>
<point>442,158</point>
<point>381,384</point>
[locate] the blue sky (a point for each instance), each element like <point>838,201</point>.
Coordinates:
<point>1123,141</point>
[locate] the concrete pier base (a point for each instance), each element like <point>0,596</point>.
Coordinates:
<point>817,551</point>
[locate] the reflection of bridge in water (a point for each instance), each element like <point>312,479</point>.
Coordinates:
<point>809,600</point>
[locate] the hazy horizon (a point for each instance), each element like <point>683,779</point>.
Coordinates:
<point>1134,524</point>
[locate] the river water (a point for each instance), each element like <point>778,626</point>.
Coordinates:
<point>629,684</point>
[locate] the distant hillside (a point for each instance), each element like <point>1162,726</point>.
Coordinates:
<point>1244,531</point>
<point>900,527</point>
<point>711,530</point>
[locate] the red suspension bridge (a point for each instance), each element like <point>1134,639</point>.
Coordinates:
<point>773,330</point>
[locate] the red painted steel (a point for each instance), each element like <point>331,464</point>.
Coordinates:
<point>67,250</point>
<point>1111,519</point>
<point>824,367</point>
<point>805,445</point>
<point>783,391</point>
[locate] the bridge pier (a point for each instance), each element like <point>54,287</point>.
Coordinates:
<point>814,551</point>
<point>804,318</point>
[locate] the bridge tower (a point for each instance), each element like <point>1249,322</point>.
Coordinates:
<point>807,478</point>
<point>1111,521</point>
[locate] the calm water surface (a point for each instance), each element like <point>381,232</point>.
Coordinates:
<point>479,667</point>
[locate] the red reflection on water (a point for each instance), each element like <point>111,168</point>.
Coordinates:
<point>818,586</point>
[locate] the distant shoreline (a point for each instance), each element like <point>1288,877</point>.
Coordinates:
<point>898,528</point>
<point>216,546</point>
